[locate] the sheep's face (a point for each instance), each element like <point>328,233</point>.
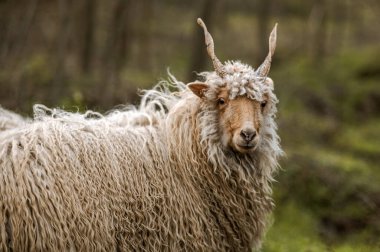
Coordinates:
<point>241,112</point>
<point>240,120</point>
<point>241,94</point>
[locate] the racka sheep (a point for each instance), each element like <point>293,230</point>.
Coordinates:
<point>187,170</point>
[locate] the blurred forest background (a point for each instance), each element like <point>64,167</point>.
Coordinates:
<point>91,54</point>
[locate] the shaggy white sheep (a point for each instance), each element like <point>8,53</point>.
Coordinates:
<point>180,172</point>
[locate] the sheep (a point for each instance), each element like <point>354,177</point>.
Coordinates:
<point>188,170</point>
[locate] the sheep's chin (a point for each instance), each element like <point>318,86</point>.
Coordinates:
<point>243,149</point>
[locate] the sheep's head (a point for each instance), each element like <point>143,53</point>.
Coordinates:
<point>242,96</point>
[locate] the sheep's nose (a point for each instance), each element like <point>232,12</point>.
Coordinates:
<point>248,134</point>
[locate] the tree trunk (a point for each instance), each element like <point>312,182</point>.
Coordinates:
<point>15,28</point>
<point>89,14</point>
<point>318,28</point>
<point>199,55</point>
<point>145,35</point>
<point>263,15</point>
<point>116,48</point>
<point>64,7</point>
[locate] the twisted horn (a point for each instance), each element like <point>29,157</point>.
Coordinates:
<point>218,66</point>
<point>264,68</point>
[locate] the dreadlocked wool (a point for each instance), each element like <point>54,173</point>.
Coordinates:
<point>10,120</point>
<point>151,178</point>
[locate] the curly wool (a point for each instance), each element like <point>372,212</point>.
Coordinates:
<point>241,79</point>
<point>10,120</point>
<point>153,178</point>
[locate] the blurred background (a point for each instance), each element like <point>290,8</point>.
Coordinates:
<point>91,54</point>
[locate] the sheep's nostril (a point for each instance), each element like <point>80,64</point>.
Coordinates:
<point>248,134</point>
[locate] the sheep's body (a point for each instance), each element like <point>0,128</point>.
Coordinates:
<point>138,179</point>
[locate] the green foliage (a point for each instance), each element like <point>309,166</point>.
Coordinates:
<point>329,128</point>
<point>294,229</point>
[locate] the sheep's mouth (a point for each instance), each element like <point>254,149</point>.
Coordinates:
<point>246,147</point>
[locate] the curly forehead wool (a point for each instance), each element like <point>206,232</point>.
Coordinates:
<point>241,79</point>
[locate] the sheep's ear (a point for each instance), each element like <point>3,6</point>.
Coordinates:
<point>198,88</point>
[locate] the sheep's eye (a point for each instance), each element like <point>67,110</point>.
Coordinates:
<point>263,104</point>
<point>221,101</point>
